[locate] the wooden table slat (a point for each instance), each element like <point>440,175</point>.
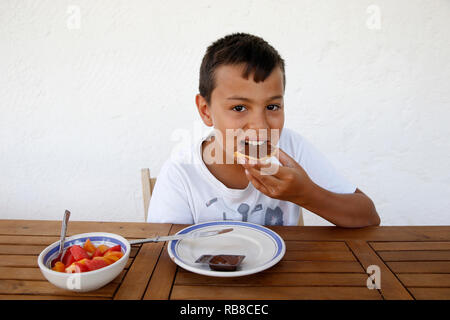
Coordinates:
<point>13,260</point>
<point>53,228</point>
<point>273,293</point>
<point>316,266</point>
<point>425,280</point>
<point>431,293</point>
<point>334,246</point>
<point>381,233</point>
<point>276,279</point>
<point>28,240</point>
<point>415,255</point>
<point>415,245</point>
<point>319,256</point>
<point>21,249</point>
<point>46,288</point>
<point>20,273</point>
<point>420,266</point>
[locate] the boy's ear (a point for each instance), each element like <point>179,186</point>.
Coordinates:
<point>203,110</point>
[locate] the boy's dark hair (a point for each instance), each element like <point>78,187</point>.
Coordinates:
<point>259,56</point>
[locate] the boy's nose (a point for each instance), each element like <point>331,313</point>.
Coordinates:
<point>258,121</point>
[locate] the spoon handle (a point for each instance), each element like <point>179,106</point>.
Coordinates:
<point>63,230</point>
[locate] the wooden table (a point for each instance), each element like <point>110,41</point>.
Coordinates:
<point>320,263</point>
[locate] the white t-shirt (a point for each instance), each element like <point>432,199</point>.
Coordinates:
<point>186,192</point>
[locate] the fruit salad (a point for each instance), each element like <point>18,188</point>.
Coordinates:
<point>86,258</point>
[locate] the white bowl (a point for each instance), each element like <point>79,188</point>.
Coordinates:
<point>85,281</point>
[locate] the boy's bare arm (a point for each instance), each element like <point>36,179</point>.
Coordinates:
<point>291,183</point>
<point>350,210</point>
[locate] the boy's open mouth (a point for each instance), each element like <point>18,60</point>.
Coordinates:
<point>256,149</point>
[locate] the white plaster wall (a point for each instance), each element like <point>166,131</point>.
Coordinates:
<point>87,100</point>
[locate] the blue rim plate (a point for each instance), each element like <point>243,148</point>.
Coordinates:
<point>262,247</point>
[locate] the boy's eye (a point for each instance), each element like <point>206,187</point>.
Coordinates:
<point>273,107</point>
<point>238,108</point>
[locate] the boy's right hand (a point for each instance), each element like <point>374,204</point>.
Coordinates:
<point>289,182</point>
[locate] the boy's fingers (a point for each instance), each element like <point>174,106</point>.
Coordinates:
<point>268,181</point>
<point>258,185</point>
<point>271,169</point>
<point>260,166</point>
<point>286,160</point>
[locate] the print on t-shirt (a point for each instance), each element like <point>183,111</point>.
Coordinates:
<point>243,213</point>
<point>274,217</point>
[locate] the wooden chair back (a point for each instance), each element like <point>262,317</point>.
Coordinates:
<point>148,183</point>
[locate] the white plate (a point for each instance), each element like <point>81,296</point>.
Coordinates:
<point>261,247</point>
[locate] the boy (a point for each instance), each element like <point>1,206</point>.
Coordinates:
<point>242,83</point>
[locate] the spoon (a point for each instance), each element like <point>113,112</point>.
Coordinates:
<point>61,251</point>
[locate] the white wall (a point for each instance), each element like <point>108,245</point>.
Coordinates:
<point>87,100</point>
